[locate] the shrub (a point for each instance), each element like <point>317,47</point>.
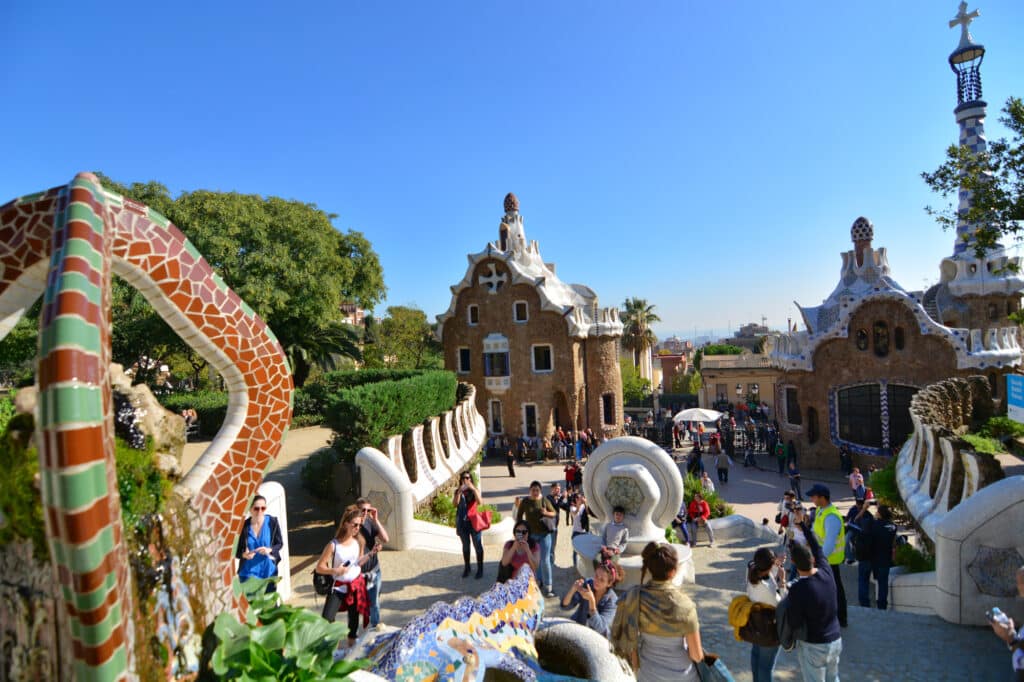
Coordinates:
<point>983,444</point>
<point>20,501</point>
<point>914,559</point>
<point>318,472</point>
<point>883,483</point>
<point>210,406</point>
<point>307,406</point>
<point>1001,427</point>
<point>6,410</point>
<point>367,413</point>
<point>719,507</point>
<point>142,486</point>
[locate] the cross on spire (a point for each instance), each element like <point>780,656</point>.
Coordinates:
<point>964,18</point>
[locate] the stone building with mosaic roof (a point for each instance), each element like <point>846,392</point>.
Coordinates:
<point>848,377</point>
<point>542,353</point>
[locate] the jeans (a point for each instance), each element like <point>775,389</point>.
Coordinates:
<point>373,595</point>
<point>819,662</point>
<point>695,525</point>
<point>867,569</point>
<point>477,545</point>
<point>723,475</point>
<point>762,662</point>
<point>544,540</point>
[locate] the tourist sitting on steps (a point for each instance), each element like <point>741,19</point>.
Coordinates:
<point>698,514</point>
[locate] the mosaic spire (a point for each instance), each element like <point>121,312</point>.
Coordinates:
<point>965,61</point>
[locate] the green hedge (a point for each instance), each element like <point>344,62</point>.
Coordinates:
<point>363,413</point>
<point>210,406</point>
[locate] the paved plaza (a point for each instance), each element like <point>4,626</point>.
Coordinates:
<point>876,645</point>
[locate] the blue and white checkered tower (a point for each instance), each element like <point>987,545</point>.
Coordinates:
<point>970,112</point>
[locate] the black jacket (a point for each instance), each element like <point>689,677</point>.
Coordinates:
<point>276,541</point>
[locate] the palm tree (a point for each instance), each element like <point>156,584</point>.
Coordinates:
<point>638,316</point>
<point>323,347</point>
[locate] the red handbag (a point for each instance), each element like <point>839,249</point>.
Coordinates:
<point>479,520</point>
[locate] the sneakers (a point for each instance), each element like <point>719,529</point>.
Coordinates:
<point>549,593</point>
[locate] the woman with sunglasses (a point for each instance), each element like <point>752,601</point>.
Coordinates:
<point>465,496</point>
<point>343,558</point>
<point>259,545</point>
<point>518,552</point>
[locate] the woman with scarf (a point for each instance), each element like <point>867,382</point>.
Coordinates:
<point>656,627</point>
<point>259,545</point>
<point>343,558</point>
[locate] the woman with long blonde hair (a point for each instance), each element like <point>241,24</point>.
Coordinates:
<point>343,558</point>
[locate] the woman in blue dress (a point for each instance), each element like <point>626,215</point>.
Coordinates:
<point>259,545</point>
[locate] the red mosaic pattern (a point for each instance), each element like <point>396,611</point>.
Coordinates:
<point>180,286</point>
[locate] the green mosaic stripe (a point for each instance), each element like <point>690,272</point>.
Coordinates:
<point>71,404</point>
<point>111,671</point>
<point>159,219</point>
<point>29,198</point>
<point>72,280</point>
<point>68,330</point>
<point>97,633</point>
<point>87,601</point>
<point>86,557</point>
<point>83,249</point>
<point>68,490</point>
<point>192,251</point>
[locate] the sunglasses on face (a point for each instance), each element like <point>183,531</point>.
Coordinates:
<point>258,508</point>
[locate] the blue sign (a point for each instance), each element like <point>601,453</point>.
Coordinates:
<point>1015,397</point>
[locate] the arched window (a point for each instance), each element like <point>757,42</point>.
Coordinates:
<point>993,311</point>
<point>862,339</point>
<point>812,426</point>
<point>881,330</point>
<point>898,338</point>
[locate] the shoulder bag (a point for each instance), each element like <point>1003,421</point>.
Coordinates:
<point>322,584</point>
<point>479,520</point>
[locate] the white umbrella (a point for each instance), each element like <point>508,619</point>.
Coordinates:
<point>697,414</point>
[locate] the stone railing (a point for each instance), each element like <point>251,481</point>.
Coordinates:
<point>961,501</point>
<point>409,468</point>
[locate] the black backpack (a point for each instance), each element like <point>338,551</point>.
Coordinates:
<point>322,584</point>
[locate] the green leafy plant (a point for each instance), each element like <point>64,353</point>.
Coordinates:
<point>276,642</point>
<point>914,559</point>
<point>20,501</point>
<point>1001,427</point>
<point>982,444</point>
<point>143,487</point>
<point>318,472</point>
<point>719,507</point>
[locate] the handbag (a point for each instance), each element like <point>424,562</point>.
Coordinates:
<point>479,520</point>
<point>322,584</point>
<point>711,669</point>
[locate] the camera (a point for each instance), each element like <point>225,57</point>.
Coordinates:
<point>589,583</point>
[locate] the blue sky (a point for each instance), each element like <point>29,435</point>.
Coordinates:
<point>707,156</point>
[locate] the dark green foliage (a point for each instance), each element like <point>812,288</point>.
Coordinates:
<point>442,511</point>
<point>211,406</point>
<point>142,486</point>
<point>883,483</point>
<point>721,349</point>
<point>277,642</point>
<point>318,472</point>
<point>20,502</point>
<point>307,410</point>
<point>365,414</point>
<point>719,507</point>
<point>1001,427</point>
<point>914,559</point>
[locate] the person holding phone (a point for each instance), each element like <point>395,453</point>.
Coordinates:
<point>1005,630</point>
<point>375,536</point>
<point>521,550</point>
<point>343,558</point>
<point>594,599</point>
<point>766,585</point>
<point>463,498</point>
<point>259,544</point>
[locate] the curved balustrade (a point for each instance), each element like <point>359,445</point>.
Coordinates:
<point>403,476</point>
<point>958,500</point>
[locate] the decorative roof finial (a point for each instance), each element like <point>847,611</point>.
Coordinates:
<point>862,230</point>
<point>511,203</point>
<point>964,18</point>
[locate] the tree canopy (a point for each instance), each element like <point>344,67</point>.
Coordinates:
<point>283,257</point>
<point>634,387</point>
<point>637,317</point>
<point>996,180</point>
<point>402,340</point>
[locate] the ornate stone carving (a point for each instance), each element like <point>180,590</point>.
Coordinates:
<point>624,492</point>
<point>994,570</point>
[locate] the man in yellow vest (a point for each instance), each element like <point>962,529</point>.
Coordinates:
<point>828,528</point>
